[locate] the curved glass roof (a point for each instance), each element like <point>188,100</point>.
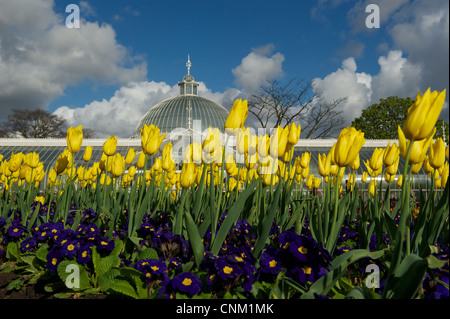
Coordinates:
<point>173,113</point>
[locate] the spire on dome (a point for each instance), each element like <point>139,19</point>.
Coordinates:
<point>188,64</point>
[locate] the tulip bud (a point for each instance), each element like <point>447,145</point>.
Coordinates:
<point>74,138</point>
<point>236,117</point>
<point>324,164</point>
<point>437,153</point>
<point>187,176</point>
<point>117,165</point>
<point>110,145</point>
<point>87,154</point>
<point>390,154</point>
<point>131,154</point>
<point>294,133</point>
<point>141,160</point>
<point>348,145</point>
<point>423,115</point>
<point>32,159</point>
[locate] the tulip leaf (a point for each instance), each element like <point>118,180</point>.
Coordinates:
<point>194,238</point>
<point>232,217</point>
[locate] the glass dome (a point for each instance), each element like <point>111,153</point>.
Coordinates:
<point>184,111</point>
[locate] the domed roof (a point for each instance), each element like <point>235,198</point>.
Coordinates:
<point>187,110</point>
<point>174,112</point>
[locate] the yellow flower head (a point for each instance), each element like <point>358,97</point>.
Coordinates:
<point>74,138</point>
<point>237,116</point>
<point>348,145</point>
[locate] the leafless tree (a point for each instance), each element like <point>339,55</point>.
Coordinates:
<point>280,105</point>
<point>37,123</point>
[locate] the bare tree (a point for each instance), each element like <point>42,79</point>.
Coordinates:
<point>37,123</point>
<point>280,105</point>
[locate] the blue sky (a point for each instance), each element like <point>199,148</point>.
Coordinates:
<point>128,55</point>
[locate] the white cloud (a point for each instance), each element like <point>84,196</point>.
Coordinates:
<point>346,83</point>
<point>40,57</point>
<point>257,67</point>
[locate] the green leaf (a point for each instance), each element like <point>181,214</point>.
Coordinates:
<point>338,266</point>
<point>42,252</point>
<point>408,277</point>
<point>125,288</point>
<point>16,284</point>
<point>12,252</point>
<point>148,253</point>
<point>232,217</point>
<point>106,263</point>
<point>64,272</point>
<point>194,239</point>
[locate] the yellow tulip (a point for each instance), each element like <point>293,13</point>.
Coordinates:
<point>74,138</point>
<point>415,168</point>
<point>418,149</point>
<point>157,165</point>
<point>426,165</point>
<point>400,180</point>
<point>32,159</point>
<point>232,182</point>
<point>40,199</point>
<point>373,187</point>
<point>324,164</point>
<point>423,115</point>
<point>193,153</point>
<point>167,162</point>
<point>389,178</point>
<point>278,142</point>
<point>187,177</point>
<point>309,181</point>
<point>15,161</point>
<point>246,142</point>
<point>390,154</point>
<point>131,154</point>
<point>63,162</point>
<point>110,145</point>
<point>294,133</point>
<point>263,145</point>
<point>437,153</point>
<point>364,177</point>
<point>87,154</point>
<point>250,160</point>
<point>141,160</point>
<point>376,161</point>
<point>392,169</point>
<point>305,159</point>
<point>348,145</point>
<point>237,116</point>
<point>355,164</point>
<point>212,141</point>
<point>105,179</point>
<point>51,177</point>
<point>117,165</point>
<point>444,175</point>
<point>151,140</point>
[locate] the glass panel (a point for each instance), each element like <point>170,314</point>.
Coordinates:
<point>189,89</point>
<point>181,89</point>
<point>195,89</point>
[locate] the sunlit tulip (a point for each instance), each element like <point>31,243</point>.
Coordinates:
<point>212,141</point>
<point>236,117</point>
<point>51,177</point>
<point>376,161</point>
<point>151,140</point>
<point>400,180</point>
<point>167,157</point>
<point>389,178</point>
<point>117,165</point>
<point>415,168</point>
<point>110,145</point>
<point>373,187</point>
<point>356,163</point>
<point>32,159</point>
<point>324,164</point>
<point>193,153</point>
<point>390,154</point>
<point>392,169</point>
<point>131,154</point>
<point>423,115</point>
<point>418,150</point>
<point>309,181</point>
<point>87,153</point>
<point>141,160</point>
<point>294,133</point>
<point>105,179</point>
<point>305,159</point>
<point>187,177</point>
<point>437,153</point>
<point>364,177</point>
<point>263,145</point>
<point>15,161</point>
<point>74,138</point>
<point>444,174</point>
<point>348,145</point>
<point>250,160</point>
<point>278,142</point>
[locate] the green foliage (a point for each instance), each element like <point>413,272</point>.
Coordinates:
<point>380,120</point>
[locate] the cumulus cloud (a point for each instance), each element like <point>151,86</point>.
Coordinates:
<point>40,57</point>
<point>416,59</point>
<point>257,67</point>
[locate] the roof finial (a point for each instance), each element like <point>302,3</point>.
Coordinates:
<point>188,64</point>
